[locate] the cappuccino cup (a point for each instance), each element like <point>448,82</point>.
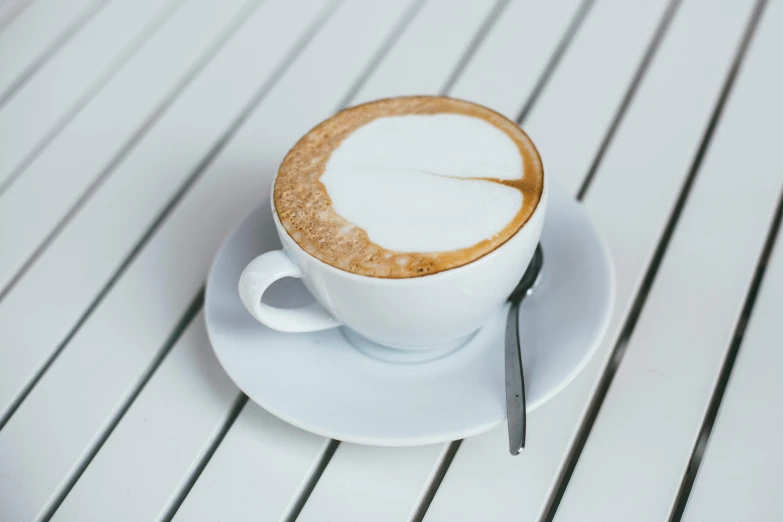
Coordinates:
<point>410,220</point>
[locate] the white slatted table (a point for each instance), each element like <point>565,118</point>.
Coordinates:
<point>127,125</point>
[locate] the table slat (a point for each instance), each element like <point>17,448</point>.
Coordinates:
<point>36,34</point>
<point>497,76</point>
<point>182,407</point>
<point>371,483</point>
<point>65,83</point>
<point>40,201</point>
<point>639,447</point>
<point>233,489</point>
<point>587,88</point>
<point>483,481</point>
<point>739,477</point>
<point>121,341</point>
<point>419,63</point>
<point>44,306</point>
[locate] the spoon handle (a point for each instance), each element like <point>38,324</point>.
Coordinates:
<point>515,383</point>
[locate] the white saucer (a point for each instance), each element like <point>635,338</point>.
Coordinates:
<point>322,384</point>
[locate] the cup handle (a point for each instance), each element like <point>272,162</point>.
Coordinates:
<point>259,275</point>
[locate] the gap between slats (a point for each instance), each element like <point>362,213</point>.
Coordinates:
<point>152,27</point>
<point>61,39</point>
<point>312,480</point>
<point>236,408</point>
<point>553,62</point>
<point>643,66</point>
<point>713,408</point>
<point>474,44</point>
<point>383,51</point>
<point>618,351</point>
<point>438,474</point>
<point>179,328</point>
<point>129,145</point>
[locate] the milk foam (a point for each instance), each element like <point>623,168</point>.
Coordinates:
<point>402,179</point>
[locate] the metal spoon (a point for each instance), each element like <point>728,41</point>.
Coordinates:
<point>515,383</point>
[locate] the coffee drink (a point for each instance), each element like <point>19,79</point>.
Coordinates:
<point>408,187</point>
<point>410,220</point>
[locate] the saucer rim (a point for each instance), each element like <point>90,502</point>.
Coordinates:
<point>476,429</point>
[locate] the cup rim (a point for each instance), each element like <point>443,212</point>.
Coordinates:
<point>443,273</point>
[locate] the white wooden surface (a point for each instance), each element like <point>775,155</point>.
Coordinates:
<point>743,445</point>
<point>127,126</point>
<point>234,487</point>
<point>59,89</point>
<point>647,196</point>
<point>31,37</point>
<point>217,97</point>
<point>186,401</point>
<point>652,415</point>
<point>659,395</point>
<point>42,200</point>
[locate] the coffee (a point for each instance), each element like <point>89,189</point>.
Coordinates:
<point>407,187</point>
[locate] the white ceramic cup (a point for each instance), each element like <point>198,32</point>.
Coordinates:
<point>432,312</point>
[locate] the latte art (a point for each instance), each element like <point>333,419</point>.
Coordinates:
<point>409,181</point>
<point>407,187</point>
